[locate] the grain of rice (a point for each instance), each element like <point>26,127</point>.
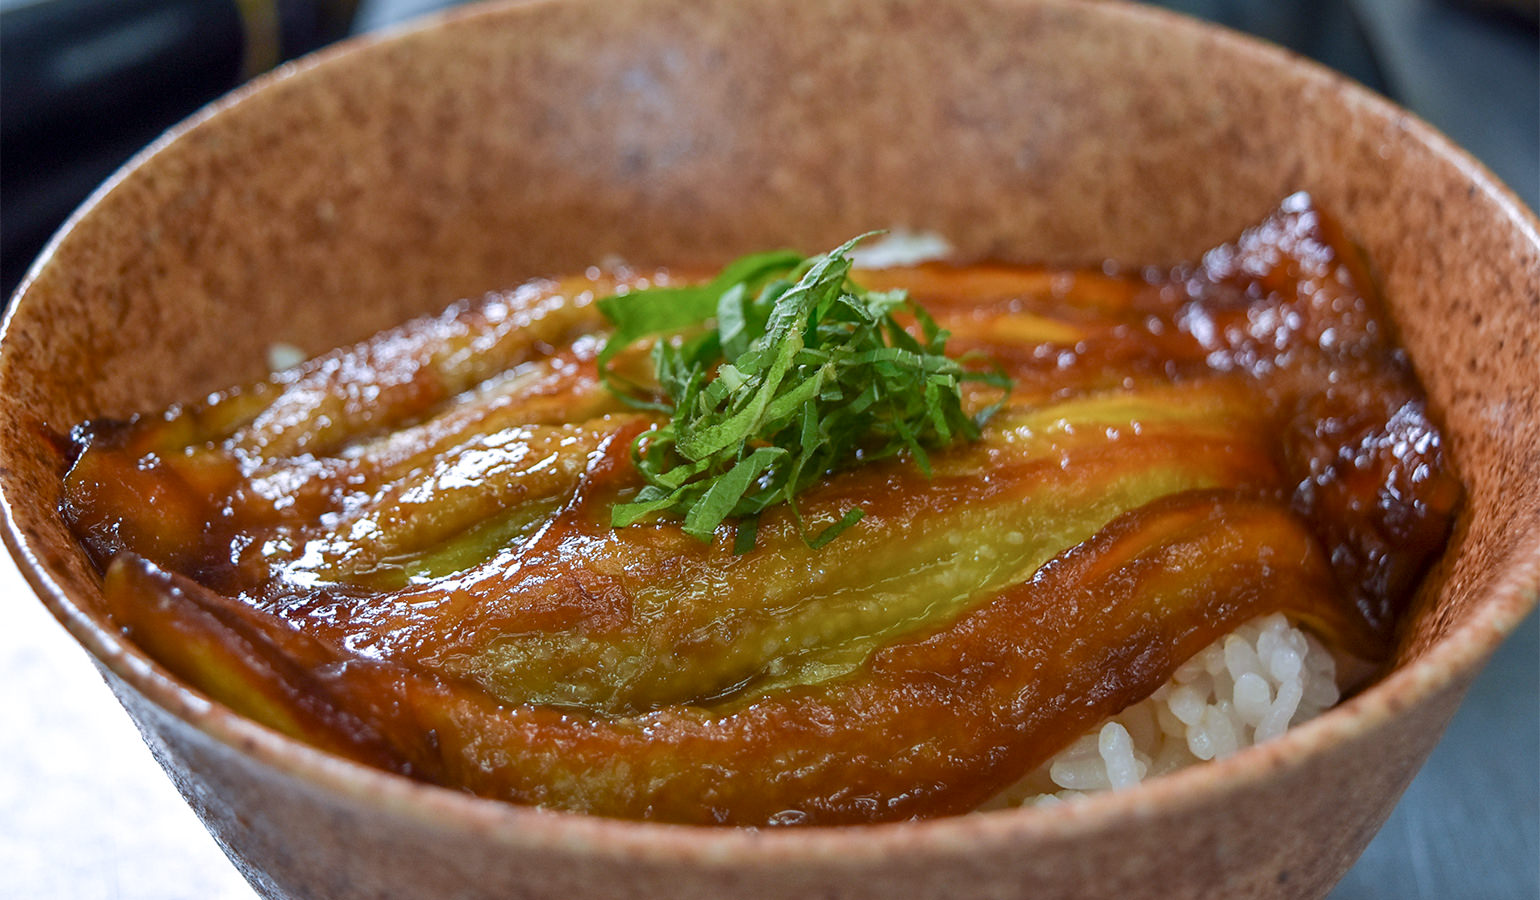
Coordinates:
<point>1117,753</point>
<point>282,356</point>
<point>900,247</point>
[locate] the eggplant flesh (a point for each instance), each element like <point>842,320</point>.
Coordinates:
<point>400,551</point>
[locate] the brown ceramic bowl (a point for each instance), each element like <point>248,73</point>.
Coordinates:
<point>391,177</point>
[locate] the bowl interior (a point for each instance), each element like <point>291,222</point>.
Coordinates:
<point>387,180</point>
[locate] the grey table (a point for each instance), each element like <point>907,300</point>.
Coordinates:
<point>85,813</point>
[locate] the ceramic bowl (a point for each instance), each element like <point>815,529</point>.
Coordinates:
<point>394,175</point>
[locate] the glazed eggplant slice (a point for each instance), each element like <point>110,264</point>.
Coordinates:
<point>404,551</point>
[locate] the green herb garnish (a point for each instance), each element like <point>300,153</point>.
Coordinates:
<point>805,373</point>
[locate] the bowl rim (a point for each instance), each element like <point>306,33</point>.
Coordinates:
<point>1454,658</point>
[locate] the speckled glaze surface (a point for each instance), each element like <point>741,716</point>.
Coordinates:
<point>391,177</point>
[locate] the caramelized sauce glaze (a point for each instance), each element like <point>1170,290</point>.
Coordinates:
<point>400,551</point>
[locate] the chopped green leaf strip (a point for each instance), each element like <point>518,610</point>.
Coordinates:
<point>804,374</point>
<point>851,517</point>
<point>748,528</point>
<point>721,498</point>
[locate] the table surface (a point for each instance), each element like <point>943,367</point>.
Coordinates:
<point>86,814</point>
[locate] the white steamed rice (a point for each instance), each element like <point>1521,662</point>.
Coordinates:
<point>281,355</point>
<point>899,246</point>
<point>1245,688</point>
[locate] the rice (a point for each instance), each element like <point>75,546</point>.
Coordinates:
<point>281,355</point>
<point>900,246</point>
<point>1243,689</point>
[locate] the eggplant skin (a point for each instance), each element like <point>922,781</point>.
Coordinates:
<point>400,551</point>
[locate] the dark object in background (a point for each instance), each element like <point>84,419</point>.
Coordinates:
<point>87,83</point>
<point>1528,10</point>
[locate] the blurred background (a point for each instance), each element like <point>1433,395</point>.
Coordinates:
<point>84,811</point>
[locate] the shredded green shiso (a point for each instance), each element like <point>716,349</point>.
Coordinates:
<point>774,374</point>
